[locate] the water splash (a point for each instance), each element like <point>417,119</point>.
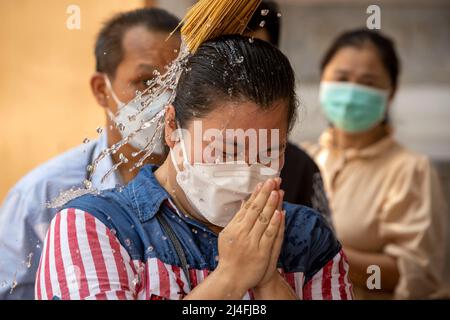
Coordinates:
<point>28,262</point>
<point>13,284</point>
<point>162,84</point>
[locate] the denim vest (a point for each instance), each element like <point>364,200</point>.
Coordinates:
<point>130,213</point>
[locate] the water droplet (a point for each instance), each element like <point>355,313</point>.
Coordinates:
<point>86,140</point>
<point>279,14</point>
<point>164,238</point>
<point>262,24</point>
<point>194,231</point>
<point>240,59</point>
<point>30,256</point>
<point>87,184</point>
<point>13,285</point>
<point>264,12</point>
<point>123,158</point>
<point>135,281</point>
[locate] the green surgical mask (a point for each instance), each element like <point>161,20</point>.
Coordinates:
<point>352,107</point>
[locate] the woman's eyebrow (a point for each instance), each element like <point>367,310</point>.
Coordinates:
<point>341,71</point>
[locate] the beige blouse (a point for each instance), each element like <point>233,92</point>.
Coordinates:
<point>387,199</point>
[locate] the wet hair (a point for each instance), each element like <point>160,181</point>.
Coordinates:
<point>108,47</point>
<point>272,23</point>
<point>235,68</point>
<point>360,38</point>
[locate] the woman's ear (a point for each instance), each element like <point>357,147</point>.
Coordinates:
<point>170,126</point>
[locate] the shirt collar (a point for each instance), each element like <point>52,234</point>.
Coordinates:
<point>148,196</point>
<point>104,166</point>
<point>327,141</point>
<point>146,193</point>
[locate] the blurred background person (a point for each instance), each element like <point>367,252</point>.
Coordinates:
<point>388,208</point>
<point>301,178</point>
<point>129,48</point>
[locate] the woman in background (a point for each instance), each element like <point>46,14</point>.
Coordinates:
<point>388,209</point>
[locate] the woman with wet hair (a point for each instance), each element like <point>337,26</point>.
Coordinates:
<point>210,222</point>
<point>388,209</point>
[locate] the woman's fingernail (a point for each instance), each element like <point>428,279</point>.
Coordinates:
<point>277,214</point>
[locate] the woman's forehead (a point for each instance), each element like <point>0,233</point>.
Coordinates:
<point>247,115</point>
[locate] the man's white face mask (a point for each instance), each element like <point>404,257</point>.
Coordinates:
<point>216,190</point>
<point>129,110</point>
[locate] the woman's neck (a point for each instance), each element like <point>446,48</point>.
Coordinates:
<point>345,140</point>
<point>177,195</point>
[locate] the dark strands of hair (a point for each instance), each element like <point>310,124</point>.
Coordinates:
<point>232,68</point>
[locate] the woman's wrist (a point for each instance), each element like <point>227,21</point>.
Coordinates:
<point>275,288</point>
<point>226,279</point>
<point>269,287</point>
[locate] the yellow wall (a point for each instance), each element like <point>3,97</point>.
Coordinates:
<point>46,105</point>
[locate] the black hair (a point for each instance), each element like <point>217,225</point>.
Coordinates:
<point>272,21</point>
<point>108,47</point>
<point>361,37</point>
<point>237,69</point>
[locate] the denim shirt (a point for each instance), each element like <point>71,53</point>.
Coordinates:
<point>309,248</point>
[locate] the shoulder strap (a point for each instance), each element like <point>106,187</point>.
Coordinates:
<point>176,244</point>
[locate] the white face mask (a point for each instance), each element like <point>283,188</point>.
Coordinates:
<point>126,126</point>
<point>216,190</point>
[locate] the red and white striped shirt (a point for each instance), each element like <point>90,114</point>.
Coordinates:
<point>83,259</point>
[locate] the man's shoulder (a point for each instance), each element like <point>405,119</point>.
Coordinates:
<point>57,174</point>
